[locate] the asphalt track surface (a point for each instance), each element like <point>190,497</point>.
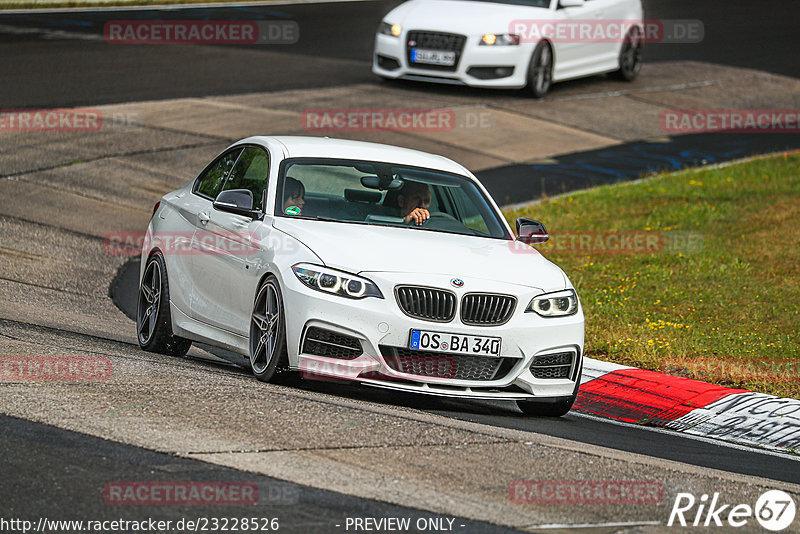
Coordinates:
<point>515,183</point>
<point>575,426</point>
<point>62,473</point>
<point>40,67</point>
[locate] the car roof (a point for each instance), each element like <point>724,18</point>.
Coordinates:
<point>327,147</point>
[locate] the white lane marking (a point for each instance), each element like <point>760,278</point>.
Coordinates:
<point>714,441</point>
<point>162,7</point>
<point>593,369</point>
<point>47,33</point>
<point>555,526</point>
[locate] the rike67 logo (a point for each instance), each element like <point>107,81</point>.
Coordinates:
<point>774,510</point>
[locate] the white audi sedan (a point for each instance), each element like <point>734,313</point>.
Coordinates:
<point>364,262</point>
<point>509,43</point>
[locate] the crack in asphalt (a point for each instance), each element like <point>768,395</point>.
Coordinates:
<point>40,286</point>
<point>13,218</point>
<point>72,333</point>
<point>356,447</point>
<point>17,175</point>
<point>628,92</point>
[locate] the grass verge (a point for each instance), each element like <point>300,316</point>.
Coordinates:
<point>695,273</point>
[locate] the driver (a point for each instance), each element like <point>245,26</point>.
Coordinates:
<point>414,200</point>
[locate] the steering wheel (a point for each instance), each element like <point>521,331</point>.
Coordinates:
<point>441,215</point>
<point>444,221</point>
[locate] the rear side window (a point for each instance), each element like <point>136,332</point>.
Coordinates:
<point>250,172</point>
<point>213,178</point>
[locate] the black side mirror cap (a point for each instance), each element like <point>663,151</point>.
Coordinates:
<point>238,201</point>
<point>531,232</point>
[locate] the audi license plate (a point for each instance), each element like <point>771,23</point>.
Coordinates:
<point>444,342</point>
<point>433,57</point>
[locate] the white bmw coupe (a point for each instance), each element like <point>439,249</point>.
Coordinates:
<point>509,43</point>
<point>381,265</point>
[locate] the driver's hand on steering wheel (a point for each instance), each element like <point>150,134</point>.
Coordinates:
<point>418,215</point>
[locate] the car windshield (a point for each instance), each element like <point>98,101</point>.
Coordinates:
<point>365,192</point>
<point>530,3</point>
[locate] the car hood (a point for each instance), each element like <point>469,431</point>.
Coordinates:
<point>360,248</point>
<point>462,16</point>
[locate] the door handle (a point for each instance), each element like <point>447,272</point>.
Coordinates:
<point>204,217</point>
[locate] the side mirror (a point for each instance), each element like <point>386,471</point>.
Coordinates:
<point>530,231</point>
<point>570,3</point>
<point>238,201</point>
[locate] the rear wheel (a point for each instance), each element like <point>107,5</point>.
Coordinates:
<point>540,70</point>
<point>630,55</point>
<point>153,320</point>
<point>268,354</point>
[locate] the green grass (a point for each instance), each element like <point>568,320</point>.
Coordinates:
<point>724,309</point>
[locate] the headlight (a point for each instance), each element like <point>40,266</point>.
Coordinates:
<point>556,304</point>
<point>504,39</point>
<point>390,29</point>
<point>336,282</point>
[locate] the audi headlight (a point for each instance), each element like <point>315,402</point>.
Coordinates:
<point>556,304</point>
<point>390,29</point>
<point>336,282</point>
<point>503,39</point>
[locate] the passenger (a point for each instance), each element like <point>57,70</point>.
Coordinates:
<point>294,193</point>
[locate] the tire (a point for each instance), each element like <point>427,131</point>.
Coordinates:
<point>552,409</point>
<point>540,70</point>
<point>268,355</point>
<point>630,56</point>
<point>153,319</point>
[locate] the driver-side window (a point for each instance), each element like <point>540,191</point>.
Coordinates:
<point>250,172</point>
<point>213,178</point>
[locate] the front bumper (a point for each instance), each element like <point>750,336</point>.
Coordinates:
<point>477,65</point>
<point>381,323</point>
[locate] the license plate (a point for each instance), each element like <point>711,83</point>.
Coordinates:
<point>443,342</point>
<point>433,57</point>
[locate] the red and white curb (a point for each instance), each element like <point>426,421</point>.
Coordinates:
<point>689,406</point>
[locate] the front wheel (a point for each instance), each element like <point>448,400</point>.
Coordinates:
<point>547,409</point>
<point>552,409</point>
<point>153,320</point>
<point>268,354</point>
<point>630,55</point>
<point>540,70</point>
